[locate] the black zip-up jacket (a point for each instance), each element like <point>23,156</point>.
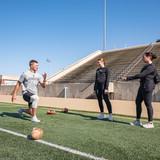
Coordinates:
<point>146,77</point>
<point>102,78</point>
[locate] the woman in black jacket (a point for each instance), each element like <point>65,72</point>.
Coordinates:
<point>145,91</point>
<point>101,88</point>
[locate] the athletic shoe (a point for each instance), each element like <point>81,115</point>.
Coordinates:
<point>34,119</point>
<point>110,118</point>
<point>148,125</point>
<point>101,116</point>
<point>20,111</point>
<point>136,123</point>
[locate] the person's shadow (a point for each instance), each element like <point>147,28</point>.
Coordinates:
<point>88,117</point>
<point>15,115</point>
<point>82,115</point>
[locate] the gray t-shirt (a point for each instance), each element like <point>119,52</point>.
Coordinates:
<point>30,81</point>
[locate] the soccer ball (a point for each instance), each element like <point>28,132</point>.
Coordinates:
<point>65,110</point>
<point>37,133</point>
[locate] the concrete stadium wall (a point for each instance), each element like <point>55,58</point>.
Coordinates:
<point>53,90</point>
<point>128,91</point>
<point>57,90</point>
<point>122,90</point>
<point>126,108</point>
<point>6,90</point>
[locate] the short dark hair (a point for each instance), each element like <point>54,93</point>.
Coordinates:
<point>151,54</point>
<point>32,61</point>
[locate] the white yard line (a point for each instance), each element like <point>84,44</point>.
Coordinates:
<point>66,149</point>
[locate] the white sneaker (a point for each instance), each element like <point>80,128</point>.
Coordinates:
<point>101,116</point>
<point>110,118</point>
<point>148,125</point>
<point>34,119</point>
<point>20,111</point>
<point>136,123</point>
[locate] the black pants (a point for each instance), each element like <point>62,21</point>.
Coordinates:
<point>27,97</point>
<point>100,96</point>
<point>147,98</point>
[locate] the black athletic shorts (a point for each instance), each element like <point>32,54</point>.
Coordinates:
<point>27,97</point>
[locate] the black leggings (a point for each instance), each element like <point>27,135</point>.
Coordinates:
<point>147,98</point>
<point>100,96</point>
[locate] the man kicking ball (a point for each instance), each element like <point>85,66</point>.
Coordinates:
<point>29,81</point>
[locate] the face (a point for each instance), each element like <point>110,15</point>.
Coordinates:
<point>34,67</point>
<point>100,63</point>
<point>146,59</point>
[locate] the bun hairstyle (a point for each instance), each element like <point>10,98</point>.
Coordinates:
<point>102,60</point>
<point>150,54</point>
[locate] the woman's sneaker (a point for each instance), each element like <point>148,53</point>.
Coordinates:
<point>148,125</point>
<point>101,116</point>
<point>110,118</point>
<point>136,123</point>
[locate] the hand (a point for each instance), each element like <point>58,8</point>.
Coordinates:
<point>44,76</point>
<point>13,98</point>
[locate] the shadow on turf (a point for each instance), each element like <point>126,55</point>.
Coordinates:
<point>14,115</point>
<point>121,122</point>
<point>82,115</point>
<point>95,118</point>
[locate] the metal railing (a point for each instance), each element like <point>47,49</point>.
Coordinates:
<point>134,63</point>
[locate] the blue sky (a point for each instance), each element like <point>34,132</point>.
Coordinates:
<point>66,30</point>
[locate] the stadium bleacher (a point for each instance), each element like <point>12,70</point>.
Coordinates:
<point>117,61</point>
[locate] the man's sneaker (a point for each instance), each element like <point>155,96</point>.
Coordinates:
<point>101,116</point>
<point>34,119</point>
<point>148,125</point>
<point>136,123</point>
<point>20,111</point>
<point>110,118</point>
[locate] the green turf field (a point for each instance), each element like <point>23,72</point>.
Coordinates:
<point>77,130</point>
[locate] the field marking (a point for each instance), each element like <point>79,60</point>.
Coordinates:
<point>66,149</point>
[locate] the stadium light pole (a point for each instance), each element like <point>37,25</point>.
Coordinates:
<point>105,25</point>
